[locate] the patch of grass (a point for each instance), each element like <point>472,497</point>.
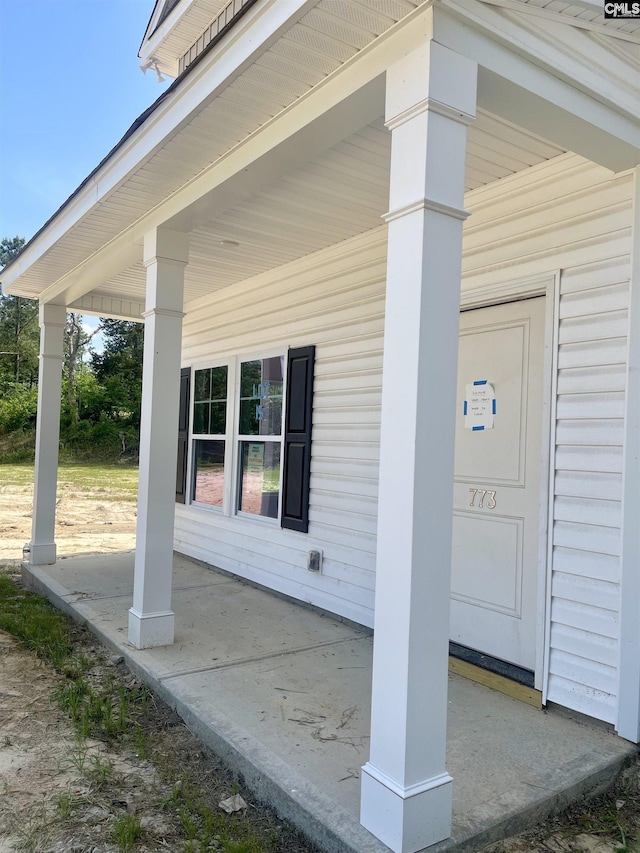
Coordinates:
<point>126,831</point>
<point>204,827</point>
<point>118,710</point>
<point>106,481</point>
<point>106,713</point>
<point>64,805</point>
<point>91,765</point>
<point>34,622</point>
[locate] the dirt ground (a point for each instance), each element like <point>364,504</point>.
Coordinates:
<point>86,521</point>
<point>63,794</point>
<point>58,795</point>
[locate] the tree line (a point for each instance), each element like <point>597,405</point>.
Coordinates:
<point>101,389</point>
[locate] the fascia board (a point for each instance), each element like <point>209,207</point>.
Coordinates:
<point>255,32</point>
<point>153,20</point>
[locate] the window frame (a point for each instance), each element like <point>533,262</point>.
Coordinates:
<point>233,438</point>
<point>239,437</point>
<point>193,437</point>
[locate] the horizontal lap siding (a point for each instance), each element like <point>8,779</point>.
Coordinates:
<point>566,215</point>
<point>335,300</point>
<point>587,520</point>
<point>572,216</point>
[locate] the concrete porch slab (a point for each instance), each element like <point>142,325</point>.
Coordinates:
<point>282,693</point>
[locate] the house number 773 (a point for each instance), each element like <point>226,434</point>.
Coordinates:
<point>486,498</point>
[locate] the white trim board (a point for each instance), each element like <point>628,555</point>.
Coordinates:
<point>628,725</point>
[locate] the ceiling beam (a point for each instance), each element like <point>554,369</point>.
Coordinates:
<point>559,94</point>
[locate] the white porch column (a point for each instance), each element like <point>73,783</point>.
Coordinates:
<point>53,319</point>
<point>151,619</point>
<point>406,791</point>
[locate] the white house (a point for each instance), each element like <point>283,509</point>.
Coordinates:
<point>298,221</point>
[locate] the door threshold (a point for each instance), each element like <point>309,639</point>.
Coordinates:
<point>510,683</point>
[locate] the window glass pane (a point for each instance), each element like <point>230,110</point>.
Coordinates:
<point>219,383</point>
<point>201,418</point>
<point>261,396</point>
<point>208,472</point>
<point>210,401</point>
<point>202,387</point>
<point>218,418</point>
<point>259,491</point>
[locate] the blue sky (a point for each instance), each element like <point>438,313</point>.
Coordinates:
<point>70,86</point>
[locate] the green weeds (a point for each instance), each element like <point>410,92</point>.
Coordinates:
<point>35,623</point>
<point>126,831</point>
<point>124,715</point>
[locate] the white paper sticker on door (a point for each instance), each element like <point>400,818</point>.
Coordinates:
<point>479,405</point>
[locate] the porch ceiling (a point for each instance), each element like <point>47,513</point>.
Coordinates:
<point>332,191</point>
<point>338,194</point>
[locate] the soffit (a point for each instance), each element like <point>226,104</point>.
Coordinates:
<point>190,21</point>
<point>593,15</point>
<point>337,195</point>
<point>321,41</point>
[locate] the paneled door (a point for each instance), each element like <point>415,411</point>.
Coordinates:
<point>496,517</point>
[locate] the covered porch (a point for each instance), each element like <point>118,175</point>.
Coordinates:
<point>283,692</point>
<point>243,176</point>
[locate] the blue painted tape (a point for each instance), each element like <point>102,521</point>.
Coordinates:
<point>465,408</point>
<point>493,405</point>
<point>480,382</point>
<point>475,429</point>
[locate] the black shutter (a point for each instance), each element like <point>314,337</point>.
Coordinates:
<point>183,435</point>
<point>297,439</point>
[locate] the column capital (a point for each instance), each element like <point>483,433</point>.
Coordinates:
<point>432,78</point>
<point>165,244</point>
<point>52,315</point>
<point>426,204</point>
<point>433,106</point>
<point>164,312</point>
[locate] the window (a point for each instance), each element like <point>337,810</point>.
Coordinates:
<point>260,435</point>
<point>244,445</point>
<point>210,425</point>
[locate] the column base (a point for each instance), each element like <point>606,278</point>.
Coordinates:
<point>42,555</point>
<point>406,819</point>
<point>151,629</point>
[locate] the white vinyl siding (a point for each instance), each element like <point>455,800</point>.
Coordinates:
<point>565,215</point>
<point>587,510</point>
<point>335,300</point>
<point>572,216</point>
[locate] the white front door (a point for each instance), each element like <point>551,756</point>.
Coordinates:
<point>496,518</point>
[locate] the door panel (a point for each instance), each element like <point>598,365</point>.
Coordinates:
<point>497,484</point>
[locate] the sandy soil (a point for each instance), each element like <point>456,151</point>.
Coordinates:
<point>43,767</point>
<point>61,794</point>
<point>86,522</point>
